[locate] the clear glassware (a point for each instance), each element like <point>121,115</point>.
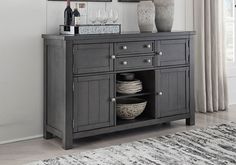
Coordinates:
<point>105,17</point>
<point>92,17</point>
<point>115,16</point>
<point>102,16</point>
<point>110,16</point>
<point>99,16</point>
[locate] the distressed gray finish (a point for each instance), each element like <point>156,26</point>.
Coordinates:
<point>134,62</point>
<point>172,91</point>
<point>124,48</point>
<point>80,77</point>
<point>173,52</point>
<point>92,58</point>
<point>92,108</point>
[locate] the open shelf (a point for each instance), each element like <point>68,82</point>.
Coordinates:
<point>148,93</point>
<point>137,120</point>
<point>123,96</point>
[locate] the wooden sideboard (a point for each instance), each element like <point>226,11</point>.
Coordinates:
<point>80,81</point>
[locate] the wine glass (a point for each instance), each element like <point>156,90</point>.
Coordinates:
<point>92,17</point>
<point>113,16</point>
<point>105,17</point>
<point>102,16</point>
<point>110,16</point>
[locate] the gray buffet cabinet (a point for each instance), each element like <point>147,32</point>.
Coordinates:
<point>80,81</point>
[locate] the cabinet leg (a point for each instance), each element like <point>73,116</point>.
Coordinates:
<point>47,135</point>
<point>67,143</point>
<point>190,121</point>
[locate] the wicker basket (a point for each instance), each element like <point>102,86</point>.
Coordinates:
<point>130,108</point>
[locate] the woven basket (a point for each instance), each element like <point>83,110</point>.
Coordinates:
<point>130,108</point>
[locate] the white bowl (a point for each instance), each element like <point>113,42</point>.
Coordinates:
<point>129,87</point>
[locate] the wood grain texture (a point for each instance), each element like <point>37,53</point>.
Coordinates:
<point>92,97</point>
<point>80,81</point>
<point>174,85</point>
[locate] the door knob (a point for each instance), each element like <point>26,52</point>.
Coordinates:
<point>148,60</point>
<point>113,100</point>
<point>125,63</point>
<point>125,47</point>
<point>160,53</point>
<point>113,57</point>
<point>149,46</point>
<point>160,93</point>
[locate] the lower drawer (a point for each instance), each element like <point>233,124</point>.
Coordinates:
<point>134,62</point>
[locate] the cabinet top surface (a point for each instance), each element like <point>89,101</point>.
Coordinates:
<point>117,36</point>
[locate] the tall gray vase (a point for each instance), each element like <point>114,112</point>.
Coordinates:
<point>146,16</point>
<point>164,15</point>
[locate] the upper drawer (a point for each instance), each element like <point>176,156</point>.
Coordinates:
<point>92,58</point>
<point>173,52</point>
<point>134,47</point>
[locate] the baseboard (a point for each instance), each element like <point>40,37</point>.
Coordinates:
<point>21,139</point>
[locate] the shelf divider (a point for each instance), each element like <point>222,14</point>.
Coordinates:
<point>123,96</point>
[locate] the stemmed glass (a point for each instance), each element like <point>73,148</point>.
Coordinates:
<point>113,16</point>
<point>102,16</point>
<point>93,17</point>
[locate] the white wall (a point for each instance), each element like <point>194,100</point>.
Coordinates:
<point>21,57</point>
<point>21,68</point>
<point>127,14</point>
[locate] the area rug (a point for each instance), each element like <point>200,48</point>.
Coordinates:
<point>211,146</point>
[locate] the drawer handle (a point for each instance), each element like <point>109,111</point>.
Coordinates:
<point>125,63</point>
<point>113,57</point>
<point>113,100</point>
<point>160,54</point>
<point>148,61</point>
<point>148,46</point>
<point>124,47</point>
<point>160,93</point>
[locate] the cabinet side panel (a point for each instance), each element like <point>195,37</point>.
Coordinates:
<point>55,78</point>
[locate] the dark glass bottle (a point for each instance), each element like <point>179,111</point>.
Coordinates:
<point>76,15</point>
<point>68,14</point>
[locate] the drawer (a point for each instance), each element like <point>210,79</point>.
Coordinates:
<point>134,62</point>
<point>134,47</point>
<point>92,58</point>
<point>173,52</point>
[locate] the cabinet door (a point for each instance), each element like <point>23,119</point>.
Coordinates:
<point>172,52</point>
<point>172,91</point>
<point>92,106</point>
<point>92,58</point>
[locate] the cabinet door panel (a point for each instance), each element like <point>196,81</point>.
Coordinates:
<point>92,58</point>
<point>172,91</point>
<point>92,106</point>
<point>174,52</point>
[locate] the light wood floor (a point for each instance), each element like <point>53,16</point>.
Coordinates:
<point>32,150</point>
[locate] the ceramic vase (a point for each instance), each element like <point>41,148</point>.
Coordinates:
<point>164,15</point>
<point>146,16</point>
